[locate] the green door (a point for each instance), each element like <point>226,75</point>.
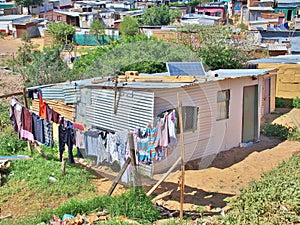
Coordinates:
<point>250,114</point>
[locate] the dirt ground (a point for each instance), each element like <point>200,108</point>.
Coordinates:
<point>229,172</point>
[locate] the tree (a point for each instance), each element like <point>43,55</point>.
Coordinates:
<point>60,32</point>
<point>24,57</point>
<point>216,47</point>
<point>46,67</point>
<point>159,15</point>
<point>40,67</point>
<point>98,29</point>
<point>129,26</point>
<point>28,3</point>
<point>146,56</point>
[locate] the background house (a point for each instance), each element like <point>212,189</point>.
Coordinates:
<point>6,22</point>
<point>288,77</point>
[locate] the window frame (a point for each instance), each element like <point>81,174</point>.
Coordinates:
<point>219,104</point>
<point>185,117</point>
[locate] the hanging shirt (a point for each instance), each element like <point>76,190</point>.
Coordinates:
<point>152,141</point>
<point>26,128</point>
<point>142,145</point>
<point>79,139</point>
<point>163,131</point>
<point>15,114</point>
<point>43,106</point>
<point>172,128</point>
<point>55,116</point>
<point>38,128</point>
<point>111,147</point>
<point>48,132</point>
<point>48,113</point>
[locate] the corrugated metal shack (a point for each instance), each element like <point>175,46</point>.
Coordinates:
<point>221,109</point>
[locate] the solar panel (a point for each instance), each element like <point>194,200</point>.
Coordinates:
<point>185,69</point>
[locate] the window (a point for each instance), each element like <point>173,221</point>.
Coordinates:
<point>59,18</point>
<point>223,98</point>
<point>189,118</point>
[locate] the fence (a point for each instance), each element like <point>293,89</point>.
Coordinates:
<point>86,39</point>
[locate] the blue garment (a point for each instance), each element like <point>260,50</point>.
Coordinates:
<point>48,134</point>
<point>38,128</point>
<point>66,137</point>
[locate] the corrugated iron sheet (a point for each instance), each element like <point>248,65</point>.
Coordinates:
<point>134,109</point>
<point>200,142</point>
<point>70,92</point>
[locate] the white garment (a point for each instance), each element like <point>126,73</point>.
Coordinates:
<point>172,128</point>
<point>111,147</point>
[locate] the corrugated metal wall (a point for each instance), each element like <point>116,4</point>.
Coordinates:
<point>198,143</point>
<point>134,109</point>
<point>67,92</point>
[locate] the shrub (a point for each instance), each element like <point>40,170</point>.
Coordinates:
<point>273,200</point>
<point>10,144</point>
<point>276,130</point>
<point>279,103</point>
<point>296,102</point>
<point>134,204</point>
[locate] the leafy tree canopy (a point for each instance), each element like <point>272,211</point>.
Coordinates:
<point>60,31</point>
<point>46,68</point>
<point>129,26</point>
<point>27,3</point>
<point>216,46</point>
<point>97,29</point>
<point>159,15</point>
<point>130,56</point>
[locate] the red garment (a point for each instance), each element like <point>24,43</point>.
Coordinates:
<point>43,107</point>
<point>55,116</point>
<point>78,126</point>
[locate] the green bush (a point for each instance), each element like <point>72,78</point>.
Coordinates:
<point>10,144</point>
<point>273,200</point>
<point>276,130</point>
<point>134,204</point>
<point>279,103</point>
<point>296,102</point>
<point>280,131</point>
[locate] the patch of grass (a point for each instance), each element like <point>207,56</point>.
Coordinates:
<point>133,204</point>
<point>273,200</point>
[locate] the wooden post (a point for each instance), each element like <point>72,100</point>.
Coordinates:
<point>182,156</point>
<point>124,167</point>
<point>115,96</point>
<point>164,177</point>
<point>26,105</point>
<point>136,180</point>
<point>63,166</point>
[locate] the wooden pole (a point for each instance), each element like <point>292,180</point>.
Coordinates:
<point>182,156</point>
<point>115,96</point>
<point>164,177</point>
<point>26,105</point>
<point>136,180</point>
<point>117,179</point>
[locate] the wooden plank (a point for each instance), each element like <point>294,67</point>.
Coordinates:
<point>12,94</point>
<point>165,194</point>
<point>5,217</point>
<point>164,177</point>
<point>171,79</point>
<point>117,179</point>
